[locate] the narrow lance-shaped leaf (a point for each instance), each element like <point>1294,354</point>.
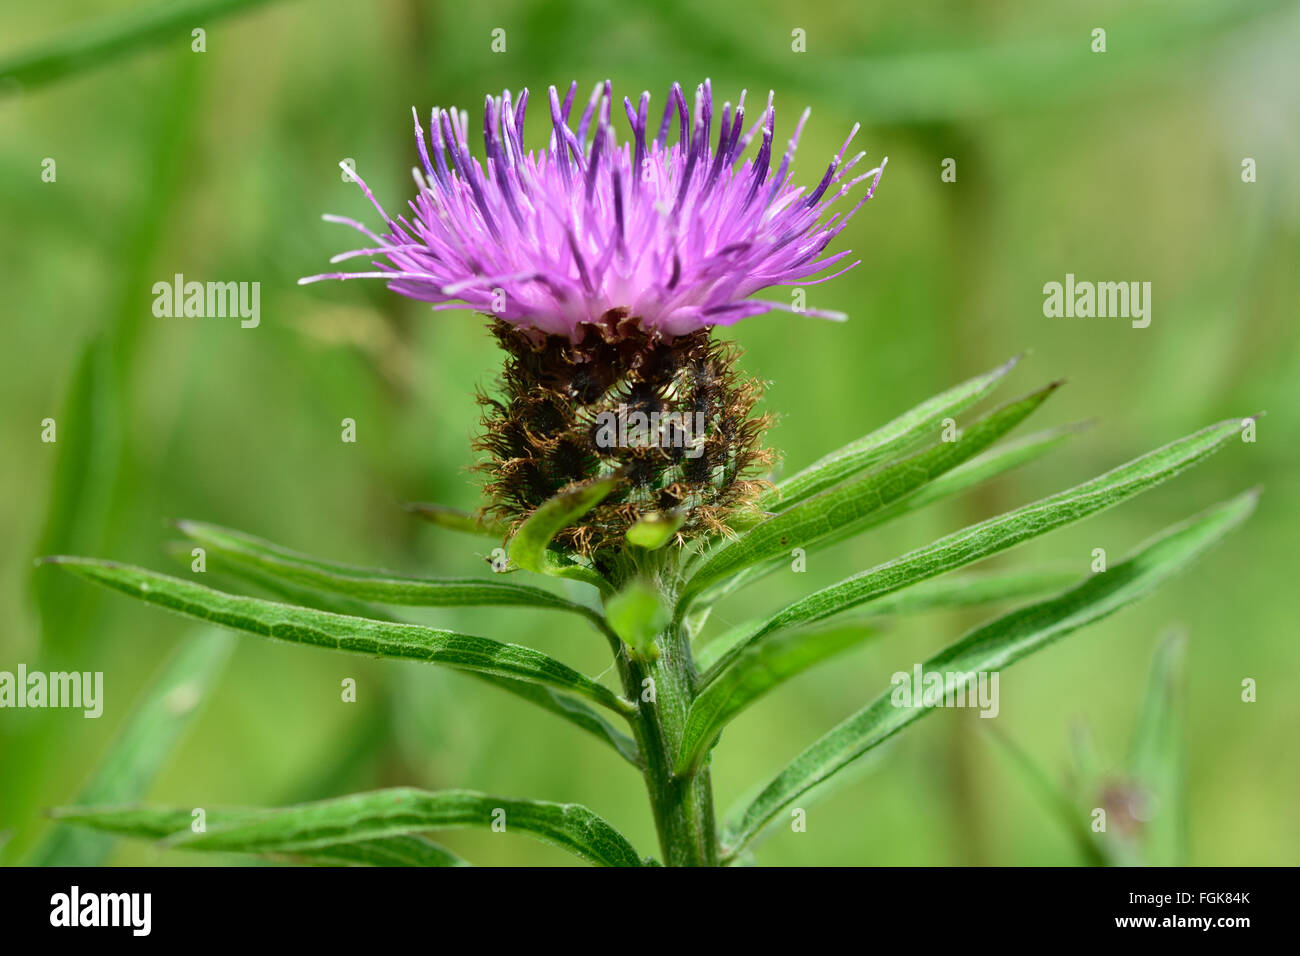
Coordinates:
<point>530,546</point>
<point>997,534</point>
<point>981,468</point>
<point>561,705</point>
<point>852,504</point>
<point>754,673</point>
<point>991,647</point>
<point>962,590</point>
<point>874,447</point>
<point>159,823</point>
<point>146,739</point>
<point>301,625</point>
<point>783,656</point>
<point>369,584</point>
<point>312,827</point>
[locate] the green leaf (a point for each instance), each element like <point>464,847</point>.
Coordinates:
<point>981,468</point>
<point>530,546</point>
<point>637,615</point>
<point>752,674</point>
<point>991,647</point>
<point>455,520</point>
<point>160,823</point>
<point>146,739</point>
<point>1156,760</point>
<point>369,584</point>
<point>1005,531</point>
<point>876,446</point>
<point>563,706</point>
<point>302,625</point>
<point>959,590</point>
<point>654,531</point>
<point>327,824</point>
<point>846,508</point>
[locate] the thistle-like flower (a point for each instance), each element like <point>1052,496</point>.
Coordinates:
<point>605,267</point>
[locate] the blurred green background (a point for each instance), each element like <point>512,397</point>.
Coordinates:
<point>1117,166</point>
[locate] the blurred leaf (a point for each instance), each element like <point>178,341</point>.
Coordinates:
<point>369,584</point>
<point>455,520</point>
<point>105,40</point>
<point>302,625</point>
<point>844,510</point>
<point>1156,761</point>
<point>992,647</point>
<point>530,546</point>
<point>997,534</point>
<point>1052,798</point>
<point>327,824</point>
<point>143,744</point>
<point>870,449</point>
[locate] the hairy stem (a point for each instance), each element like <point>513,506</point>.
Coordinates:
<point>663,689</point>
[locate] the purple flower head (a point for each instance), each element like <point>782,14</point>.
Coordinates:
<point>678,236</point>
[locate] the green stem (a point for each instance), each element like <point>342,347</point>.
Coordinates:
<point>682,806</point>
<point>663,689</point>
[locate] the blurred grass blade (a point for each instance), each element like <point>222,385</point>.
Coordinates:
<point>959,590</point>
<point>315,827</point>
<point>455,520</point>
<point>844,510</point>
<point>1053,799</point>
<point>1156,760</point>
<point>303,625</point>
<point>111,37</point>
<point>889,439</point>
<point>530,546</point>
<point>159,823</point>
<point>86,470</point>
<point>143,744</point>
<point>760,669</point>
<point>992,647</point>
<point>368,584</point>
<point>1004,531</point>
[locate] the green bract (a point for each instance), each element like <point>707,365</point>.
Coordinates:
<point>677,687</point>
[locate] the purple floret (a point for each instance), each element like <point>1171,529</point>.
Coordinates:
<point>678,236</point>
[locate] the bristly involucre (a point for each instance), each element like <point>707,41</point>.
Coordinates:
<point>677,235</point>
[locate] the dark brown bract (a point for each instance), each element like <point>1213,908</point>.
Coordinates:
<point>672,414</point>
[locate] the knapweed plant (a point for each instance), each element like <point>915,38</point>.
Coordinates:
<point>622,455</point>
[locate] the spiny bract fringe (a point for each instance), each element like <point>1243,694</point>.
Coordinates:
<point>563,412</point>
